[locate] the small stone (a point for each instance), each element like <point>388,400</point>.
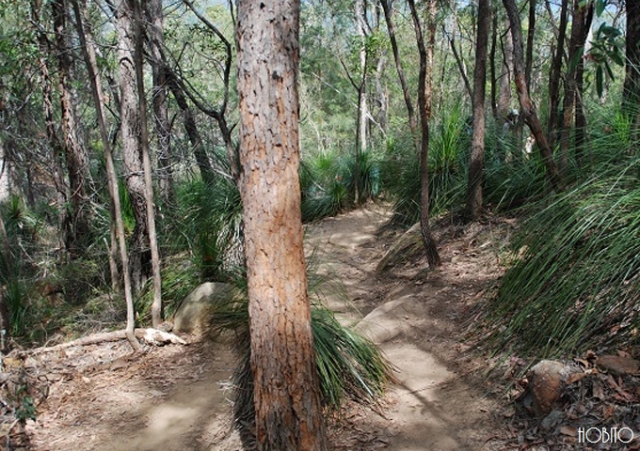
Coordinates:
<point>54,377</point>
<point>618,365</point>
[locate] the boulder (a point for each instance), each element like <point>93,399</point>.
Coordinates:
<point>196,311</point>
<point>546,381</point>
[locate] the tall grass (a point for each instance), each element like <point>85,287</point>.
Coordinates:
<point>576,281</point>
<point>448,155</point>
<point>327,181</point>
<point>208,223</point>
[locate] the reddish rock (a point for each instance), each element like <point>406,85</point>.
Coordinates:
<point>546,380</point>
<point>618,365</point>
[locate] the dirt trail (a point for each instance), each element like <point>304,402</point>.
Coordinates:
<point>175,398</point>
<point>414,314</point>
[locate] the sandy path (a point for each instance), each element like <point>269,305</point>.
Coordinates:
<point>412,313</point>
<point>173,399</point>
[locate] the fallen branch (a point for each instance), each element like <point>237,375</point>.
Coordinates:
<point>151,336</point>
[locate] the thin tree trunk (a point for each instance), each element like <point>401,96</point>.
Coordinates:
<point>461,67</point>
<point>432,25</point>
<point>156,306</point>
<point>388,15</point>
<point>492,61</point>
<point>88,51</point>
<point>132,144</point>
<point>582,132</point>
<point>382,96</point>
<point>191,127</point>
<point>75,154</point>
<point>155,32</point>
<point>554,76</point>
<point>424,89</point>
<point>526,105</point>
<point>362,97</point>
<point>476,161</point>
<point>582,16</point>
<point>506,76</point>
<point>531,32</point>
<point>286,389</point>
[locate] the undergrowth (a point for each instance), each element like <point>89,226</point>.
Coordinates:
<point>575,280</point>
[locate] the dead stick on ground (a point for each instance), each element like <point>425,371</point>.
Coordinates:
<point>152,336</point>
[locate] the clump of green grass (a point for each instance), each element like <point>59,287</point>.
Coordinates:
<point>576,282</point>
<point>327,181</point>
<point>448,155</point>
<point>208,223</point>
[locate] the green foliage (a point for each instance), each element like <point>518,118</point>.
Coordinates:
<point>608,45</point>
<point>179,278</point>
<point>576,278</point>
<point>328,185</point>
<point>448,155</point>
<point>21,223</point>
<point>208,223</point>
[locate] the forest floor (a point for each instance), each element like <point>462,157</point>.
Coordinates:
<point>176,398</point>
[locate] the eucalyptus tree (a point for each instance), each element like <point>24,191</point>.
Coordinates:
<point>286,389</point>
<point>424,108</point>
<point>476,159</point>
<point>555,71</point>
<point>87,45</point>
<point>72,179</point>
<point>387,6</point>
<point>582,16</point>
<point>155,37</point>
<point>527,107</point>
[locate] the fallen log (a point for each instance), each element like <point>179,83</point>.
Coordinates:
<point>151,336</point>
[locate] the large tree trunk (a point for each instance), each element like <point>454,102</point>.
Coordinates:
<point>155,32</point>
<point>286,390</point>
<point>75,154</point>
<point>476,161</point>
<point>132,144</point>
<point>424,90</point>
<point>527,107</point>
<point>57,146</point>
<point>388,15</point>
<point>554,76</point>
<point>88,50</point>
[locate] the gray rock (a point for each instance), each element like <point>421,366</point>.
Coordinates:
<point>196,311</point>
